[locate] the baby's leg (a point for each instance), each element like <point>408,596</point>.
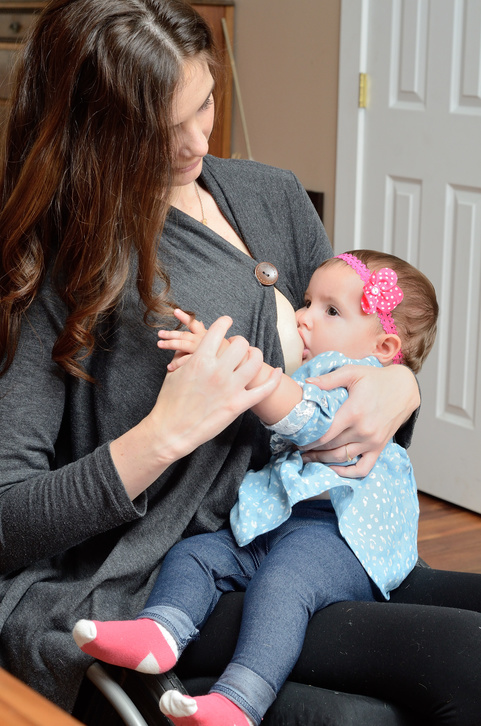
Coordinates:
<point>192,577</point>
<point>309,566</point>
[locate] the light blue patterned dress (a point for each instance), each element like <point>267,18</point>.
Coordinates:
<point>378,515</point>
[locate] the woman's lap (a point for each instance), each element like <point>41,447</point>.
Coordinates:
<point>301,705</point>
<point>426,586</point>
<point>422,651</point>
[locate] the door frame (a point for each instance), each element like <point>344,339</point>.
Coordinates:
<point>350,125</point>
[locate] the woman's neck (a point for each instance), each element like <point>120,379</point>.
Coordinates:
<point>185,198</point>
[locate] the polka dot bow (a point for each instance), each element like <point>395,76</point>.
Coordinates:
<point>381,294</point>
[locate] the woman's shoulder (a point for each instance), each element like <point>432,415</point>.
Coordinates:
<point>248,172</point>
<point>261,190</point>
<point>40,326</point>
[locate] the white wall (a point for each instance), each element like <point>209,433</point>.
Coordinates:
<point>286,53</point>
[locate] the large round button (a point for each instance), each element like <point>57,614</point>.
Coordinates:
<point>266,273</point>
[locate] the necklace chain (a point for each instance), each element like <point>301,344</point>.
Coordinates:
<point>203,220</point>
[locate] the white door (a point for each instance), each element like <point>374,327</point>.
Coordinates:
<point>409,182</point>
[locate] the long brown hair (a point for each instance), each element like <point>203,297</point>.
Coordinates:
<point>87,163</point>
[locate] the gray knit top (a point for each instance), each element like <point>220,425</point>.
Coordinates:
<point>72,544</point>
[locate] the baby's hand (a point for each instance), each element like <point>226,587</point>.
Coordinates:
<point>184,342</point>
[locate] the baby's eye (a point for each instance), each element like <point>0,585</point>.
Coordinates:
<point>331,310</point>
<point>307,303</point>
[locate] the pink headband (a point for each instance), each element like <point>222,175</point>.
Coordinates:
<point>381,294</point>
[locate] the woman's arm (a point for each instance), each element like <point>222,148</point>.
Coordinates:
<point>197,401</point>
<point>48,506</point>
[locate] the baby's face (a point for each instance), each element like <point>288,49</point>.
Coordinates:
<point>332,317</point>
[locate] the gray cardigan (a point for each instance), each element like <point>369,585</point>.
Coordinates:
<point>72,544</point>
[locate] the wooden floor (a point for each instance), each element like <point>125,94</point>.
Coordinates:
<point>449,537</point>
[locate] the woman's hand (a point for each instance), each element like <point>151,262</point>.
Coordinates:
<point>207,393</point>
<point>196,402</point>
<point>380,401</point>
<point>186,342</point>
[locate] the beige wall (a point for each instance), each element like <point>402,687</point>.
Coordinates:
<point>286,53</point>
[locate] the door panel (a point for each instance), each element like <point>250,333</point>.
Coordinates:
<point>415,164</point>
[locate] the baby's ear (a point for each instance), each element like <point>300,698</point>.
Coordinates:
<point>386,348</point>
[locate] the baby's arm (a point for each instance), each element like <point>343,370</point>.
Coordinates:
<point>271,410</point>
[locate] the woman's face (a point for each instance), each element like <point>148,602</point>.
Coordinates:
<point>193,112</point>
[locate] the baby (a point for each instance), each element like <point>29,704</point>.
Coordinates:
<point>301,535</point>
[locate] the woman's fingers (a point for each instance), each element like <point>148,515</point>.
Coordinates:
<point>237,351</point>
<point>349,426</point>
<point>354,464</point>
<point>215,334</point>
<point>338,455</point>
<point>255,395</point>
<point>380,401</point>
<point>207,393</point>
<point>179,360</point>
<point>359,469</point>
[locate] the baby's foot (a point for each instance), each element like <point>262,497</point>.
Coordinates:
<point>142,645</point>
<point>211,710</point>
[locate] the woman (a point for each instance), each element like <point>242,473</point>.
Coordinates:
<point>105,462</point>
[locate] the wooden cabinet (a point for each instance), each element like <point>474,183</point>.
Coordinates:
<point>17,17</point>
<point>214,13</point>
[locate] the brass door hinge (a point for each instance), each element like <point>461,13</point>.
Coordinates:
<point>362,101</point>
